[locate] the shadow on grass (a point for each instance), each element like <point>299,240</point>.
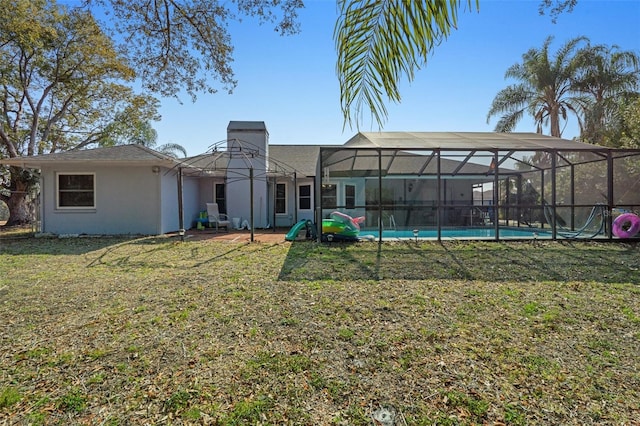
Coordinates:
<point>407,260</point>
<point>72,246</point>
<point>172,253</point>
<point>485,261</point>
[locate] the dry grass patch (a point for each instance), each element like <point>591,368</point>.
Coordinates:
<point>151,331</point>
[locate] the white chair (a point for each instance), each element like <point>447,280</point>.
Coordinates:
<point>216,218</point>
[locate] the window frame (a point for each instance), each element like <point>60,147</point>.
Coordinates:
<point>59,190</point>
<point>221,199</point>
<point>284,199</point>
<point>334,197</point>
<point>349,199</point>
<point>309,197</point>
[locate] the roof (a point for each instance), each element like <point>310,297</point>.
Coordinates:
<point>122,154</point>
<point>464,140</point>
<point>283,159</point>
<point>363,163</point>
<point>246,126</point>
<point>302,158</point>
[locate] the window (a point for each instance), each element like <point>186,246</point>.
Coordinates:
<point>76,190</point>
<point>281,198</point>
<point>329,196</point>
<point>350,196</point>
<point>220,197</point>
<point>304,197</point>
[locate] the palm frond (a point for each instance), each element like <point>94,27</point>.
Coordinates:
<point>380,42</point>
<point>172,150</point>
<point>508,122</point>
<point>515,98</point>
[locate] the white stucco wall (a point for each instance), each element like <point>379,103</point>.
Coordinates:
<point>127,202</point>
<point>294,213</point>
<point>169,201</point>
<point>206,192</point>
<point>191,201</point>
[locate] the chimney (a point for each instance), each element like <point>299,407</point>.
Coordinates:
<point>248,145</point>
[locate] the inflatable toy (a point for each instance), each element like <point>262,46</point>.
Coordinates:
<point>626,225</point>
<point>341,226</point>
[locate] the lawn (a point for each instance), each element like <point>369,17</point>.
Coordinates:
<point>157,331</point>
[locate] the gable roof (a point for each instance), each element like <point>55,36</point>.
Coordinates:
<point>283,159</point>
<point>464,140</point>
<point>301,158</point>
<point>119,154</point>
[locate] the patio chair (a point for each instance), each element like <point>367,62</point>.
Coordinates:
<point>216,218</point>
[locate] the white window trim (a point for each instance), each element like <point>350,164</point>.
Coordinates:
<point>215,192</point>
<point>286,198</point>
<point>310,197</point>
<point>337,185</point>
<point>355,194</point>
<point>59,207</point>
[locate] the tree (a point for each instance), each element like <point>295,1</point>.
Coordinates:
<point>556,7</point>
<point>545,89</point>
<point>141,133</point>
<point>623,130</point>
<point>186,46</point>
<point>609,78</point>
<point>630,127</point>
<point>60,89</point>
<point>381,42</point>
<point>378,43</point>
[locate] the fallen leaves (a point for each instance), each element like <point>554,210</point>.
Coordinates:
<point>140,332</point>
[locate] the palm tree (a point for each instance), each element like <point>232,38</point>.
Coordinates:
<point>172,150</point>
<point>379,42</point>
<point>142,133</point>
<point>609,77</point>
<point>545,91</point>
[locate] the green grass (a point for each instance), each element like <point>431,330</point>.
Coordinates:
<point>152,330</point>
<point>9,396</point>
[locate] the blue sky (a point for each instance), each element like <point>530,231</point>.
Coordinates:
<point>290,82</point>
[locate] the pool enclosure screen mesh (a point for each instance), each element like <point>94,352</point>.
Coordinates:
<point>549,188</point>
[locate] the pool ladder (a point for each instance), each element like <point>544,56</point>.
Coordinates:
<point>392,223</point>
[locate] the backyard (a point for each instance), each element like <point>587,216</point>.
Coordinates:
<point>158,331</point>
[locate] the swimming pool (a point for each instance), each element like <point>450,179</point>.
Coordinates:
<point>460,233</point>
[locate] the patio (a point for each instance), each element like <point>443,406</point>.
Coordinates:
<point>235,236</point>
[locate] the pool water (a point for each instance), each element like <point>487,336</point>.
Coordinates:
<point>461,233</point>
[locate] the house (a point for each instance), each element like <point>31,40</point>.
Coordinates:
<point>131,189</point>
<point>399,180</point>
<point>118,190</point>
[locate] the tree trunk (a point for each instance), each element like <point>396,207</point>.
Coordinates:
<point>19,209</point>
<point>555,122</point>
<point>18,201</point>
